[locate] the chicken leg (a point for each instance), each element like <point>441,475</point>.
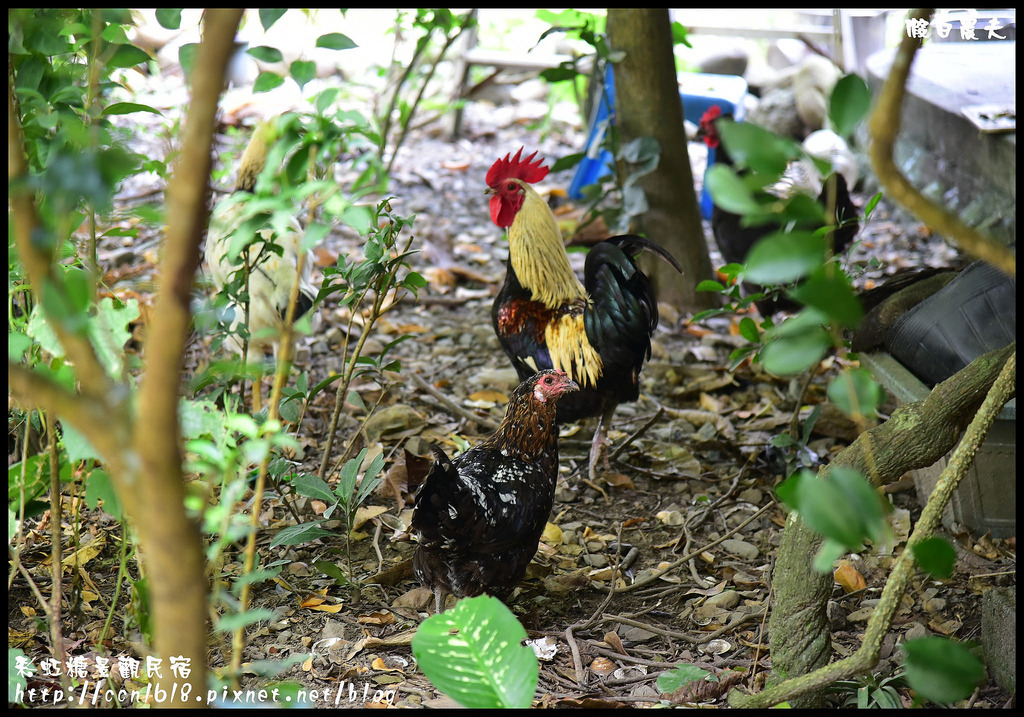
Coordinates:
<point>598,447</point>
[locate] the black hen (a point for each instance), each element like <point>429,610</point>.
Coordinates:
<point>735,240</point>
<point>478,519</point>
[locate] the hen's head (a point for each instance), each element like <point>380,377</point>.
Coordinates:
<point>504,182</point>
<point>550,384</point>
<point>708,132</point>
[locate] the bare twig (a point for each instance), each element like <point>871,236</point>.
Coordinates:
<point>637,433</point>
<point>456,409</point>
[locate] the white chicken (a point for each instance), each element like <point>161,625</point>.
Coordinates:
<point>273,271</point>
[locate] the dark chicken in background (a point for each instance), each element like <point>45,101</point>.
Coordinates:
<point>478,519</point>
<point>598,331</point>
<point>735,240</point>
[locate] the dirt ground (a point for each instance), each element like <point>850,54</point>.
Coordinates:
<point>696,478</point>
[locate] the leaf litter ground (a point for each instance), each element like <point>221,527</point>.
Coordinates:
<point>691,487</point>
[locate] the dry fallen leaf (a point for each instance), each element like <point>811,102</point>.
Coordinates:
<point>488,395</point>
<point>613,640</point>
<point>365,513</point>
<point>849,578</point>
<point>619,480</point>
<point>552,534</point>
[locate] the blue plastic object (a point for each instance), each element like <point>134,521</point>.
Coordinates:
<point>699,92</point>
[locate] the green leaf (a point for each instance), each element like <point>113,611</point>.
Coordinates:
<point>823,507</point>
<point>842,506</point>
<point>128,56</point>
<point>17,680</point>
<point>40,330</point>
<point>789,492</point>
<point>126,108</point>
<point>298,534</point>
<point>268,16</point>
<point>856,393</point>
<point>831,293</point>
<point>200,418</point>
<point>849,104</point>
<point>371,478</point>
<point>755,147</point>
<point>266,54</point>
<point>935,556</point>
<point>749,330</point>
<point>793,353</point>
<point>872,203</point>
<point>729,191</point>
<point>100,487</point>
<point>681,676</point>
<point>17,345</point>
<point>331,570</point>
<point>109,332</point>
<point>863,501</point>
<point>233,621</point>
<point>291,410</point>
<point>312,486</point>
<point>77,445</point>
<point>187,57</point>
<point>781,258</point>
<point>474,654</point>
<point>335,41</point>
<point>941,670</point>
<point>267,81</point>
<point>710,285</point>
<point>302,71</point>
<point>169,17</point>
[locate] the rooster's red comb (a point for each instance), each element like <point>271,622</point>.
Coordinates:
<point>713,113</point>
<point>513,167</point>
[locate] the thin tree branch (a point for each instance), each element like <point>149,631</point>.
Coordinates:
<point>885,125</point>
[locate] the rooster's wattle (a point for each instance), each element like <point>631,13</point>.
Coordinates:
<point>598,331</point>
<point>478,518</point>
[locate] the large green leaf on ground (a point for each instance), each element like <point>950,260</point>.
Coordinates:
<point>474,654</point>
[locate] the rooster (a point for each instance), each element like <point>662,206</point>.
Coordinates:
<point>598,331</point>
<point>735,240</point>
<point>478,519</point>
<point>275,260</point>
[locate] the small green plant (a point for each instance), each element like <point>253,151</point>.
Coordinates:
<point>346,498</point>
<point>474,654</point>
<point>871,691</point>
<point>367,290</point>
<point>408,81</point>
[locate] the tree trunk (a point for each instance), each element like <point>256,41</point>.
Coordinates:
<point>647,104</point>
<point>915,436</point>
